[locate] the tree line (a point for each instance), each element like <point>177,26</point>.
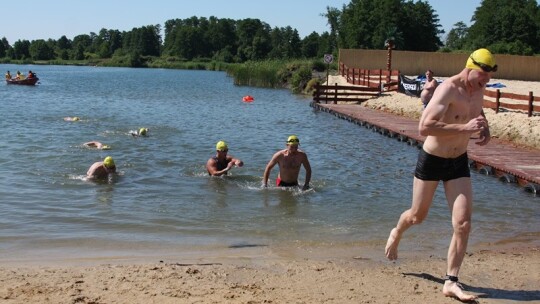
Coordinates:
<point>508,27</point>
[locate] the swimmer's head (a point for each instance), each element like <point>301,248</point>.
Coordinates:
<point>293,140</point>
<point>143,131</point>
<point>108,163</point>
<point>481,59</point>
<point>76,118</point>
<point>222,146</point>
<point>105,147</point>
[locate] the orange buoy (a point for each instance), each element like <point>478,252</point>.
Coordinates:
<point>248,98</point>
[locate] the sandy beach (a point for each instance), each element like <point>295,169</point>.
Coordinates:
<point>504,272</point>
<point>503,275</point>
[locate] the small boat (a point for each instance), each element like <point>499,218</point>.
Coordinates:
<point>26,81</point>
<point>248,98</point>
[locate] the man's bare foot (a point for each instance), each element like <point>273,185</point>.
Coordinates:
<point>392,245</point>
<point>453,289</point>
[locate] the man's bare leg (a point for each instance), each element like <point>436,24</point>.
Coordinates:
<point>459,196</point>
<point>423,192</point>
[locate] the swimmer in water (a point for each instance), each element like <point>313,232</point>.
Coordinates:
<point>101,170</point>
<point>74,118</point>
<point>97,145</point>
<point>140,132</point>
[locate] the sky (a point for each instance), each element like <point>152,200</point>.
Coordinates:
<point>55,18</point>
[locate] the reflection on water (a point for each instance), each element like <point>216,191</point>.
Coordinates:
<point>163,197</point>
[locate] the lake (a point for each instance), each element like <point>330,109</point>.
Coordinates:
<point>163,199</point>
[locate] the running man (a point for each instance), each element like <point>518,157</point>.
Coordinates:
<point>221,163</point>
<point>452,116</point>
<point>289,160</point>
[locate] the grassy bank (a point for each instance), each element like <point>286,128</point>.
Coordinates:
<point>297,75</point>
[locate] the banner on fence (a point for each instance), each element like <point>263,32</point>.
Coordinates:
<point>409,86</point>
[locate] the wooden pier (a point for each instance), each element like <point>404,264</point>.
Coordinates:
<point>508,163</point>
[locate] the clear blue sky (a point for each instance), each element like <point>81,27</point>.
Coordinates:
<point>54,18</point>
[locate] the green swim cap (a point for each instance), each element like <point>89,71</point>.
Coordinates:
<point>142,131</point>
<point>108,162</point>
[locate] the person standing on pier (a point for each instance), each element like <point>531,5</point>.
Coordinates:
<point>451,117</point>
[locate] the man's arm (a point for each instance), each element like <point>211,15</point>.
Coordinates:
<point>485,135</point>
<point>237,162</point>
<point>431,121</point>
<point>269,167</point>
<point>307,167</point>
<point>211,167</point>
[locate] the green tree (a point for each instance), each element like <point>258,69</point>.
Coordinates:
<point>456,37</point>
<point>21,49</point>
<point>367,24</point>
<point>514,23</point>
<point>310,45</point>
<point>333,17</point>
<point>2,49</point>
<point>41,50</point>
<point>254,42</point>
<point>63,43</point>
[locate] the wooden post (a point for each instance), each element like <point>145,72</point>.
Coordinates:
<point>531,99</point>
<point>498,101</point>
<point>335,94</point>
<point>316,93</point>
<point>390,46</point>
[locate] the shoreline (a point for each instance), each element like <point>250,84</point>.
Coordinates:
<point>498,273</point>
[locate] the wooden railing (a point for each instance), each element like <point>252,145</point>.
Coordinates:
<point>387,80</point>
<point>530,107</point>
<point>337,93</point>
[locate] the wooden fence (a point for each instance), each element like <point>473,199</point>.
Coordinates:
<point>530,107</point>
<point>383,79</point>
<point>336,93</point>
<point>388,81</point>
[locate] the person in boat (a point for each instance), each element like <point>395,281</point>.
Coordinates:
<point>19,76</point>
<point>140,132</point>
<point>97,145</point>
<point>8,75</point>
<point>290,161</point>
<point>221,163</point>
<point>451,117</point>
<point>102,169</point>
<point>30,75</point>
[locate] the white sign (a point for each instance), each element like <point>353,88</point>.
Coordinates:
<point>328,58</point>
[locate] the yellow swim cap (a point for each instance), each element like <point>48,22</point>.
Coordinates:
<point>108,162</point>
<point>142,131</point>
<point>105,147</point>
<point>221,146</point>
<point>481,59</point>
<point>293,140</point>
<point>76,118</point>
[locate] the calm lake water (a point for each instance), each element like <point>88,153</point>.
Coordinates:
<point>163,199</point>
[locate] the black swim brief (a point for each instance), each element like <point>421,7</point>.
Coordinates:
<point>281,183</point>
<point>434,168</point>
